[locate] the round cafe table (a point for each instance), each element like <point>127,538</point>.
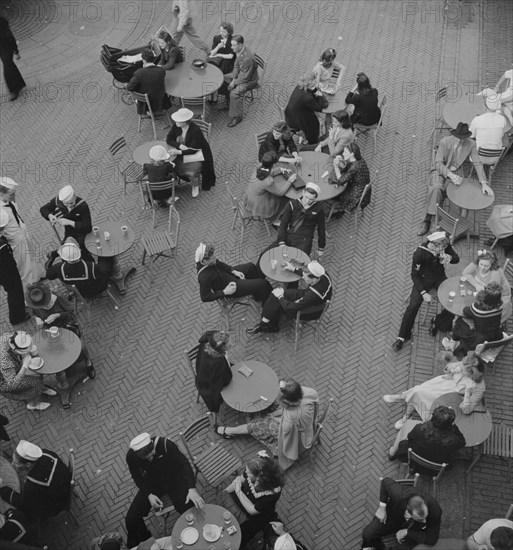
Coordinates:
<point>141,154</point>
<point>281,254</point>
<point>10,479</point>
<point>244,393</point>
<point>465,109</point>
<point>452,284</point>
<point>213,514</point>
<point>476,426</point>
<point>59,354</point>
<point>469,195</point>
<point>118,244</point>
<point>313,165</point>
<point>188,83</point>
<point>337,102</point>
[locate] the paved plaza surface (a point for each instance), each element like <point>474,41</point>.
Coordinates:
<point>58,133</point>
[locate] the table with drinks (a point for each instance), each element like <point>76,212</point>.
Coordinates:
<point>456,293</point>
<point>272,261</point>
<point>212,527</point>
<point>110,240</point>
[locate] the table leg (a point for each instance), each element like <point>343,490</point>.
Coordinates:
<point>66,382</point>
<point>118,277</point>
<point>476,455</point>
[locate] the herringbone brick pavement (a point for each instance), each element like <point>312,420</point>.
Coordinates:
<point>143,382</point>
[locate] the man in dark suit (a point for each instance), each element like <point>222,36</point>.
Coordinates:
<point>150,80</point>
<point>414,517</point>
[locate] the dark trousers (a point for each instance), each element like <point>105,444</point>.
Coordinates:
<point>272,308</point>
<point>253,285</point>
<point>136,528</point>
<point>413,308</point>
<point>375,530</point>
<point>11,282</point>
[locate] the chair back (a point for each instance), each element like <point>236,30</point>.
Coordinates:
<point>198,105</point>
<point>71,467</point>
<point>173,224</point>
<point>442,92</point>
<point>489,156</point>
<point>237,206</point>
<point>489,351</point>
<point>193,436</point>
<point>259,139</point>
<point>320,422</point>
<point>335,73</point>
<point>147,189</point>
<point>205,127</point>
<point>313,313</point>
<point>407,482</point>
<point>190,357</point>
<point>446,222</point>
<point>118,148</point>
<point>143,98</point>
<point>508,270</point>
<point>416,461</point>
<point>182,51</point>
<point>509,513</point>
<point>383,107</point>
<point>261,65</point>
<point>281,107</point>
<point>367,190</point>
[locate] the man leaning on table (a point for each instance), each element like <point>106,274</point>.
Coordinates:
<point>219,280</point>
<point>494,534</point>
<point>453,154</point>
<point>158,468</point>
<point>243,78</point>
<point>318,290</point>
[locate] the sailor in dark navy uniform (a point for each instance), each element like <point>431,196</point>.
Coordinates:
<point>14,527</point>
<point>47,485</point>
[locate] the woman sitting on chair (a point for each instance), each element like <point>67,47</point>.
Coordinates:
<point>222,54</point>
<point>323,71</point>
<point>485,314</point>
<point>279,140</point>
<point>352,174</point>
<point>365,100</point>
<point>465,377</point>
<point>213,370</point>
<point>159,170</point>
<point>287,427</point>
<point>265,193</point>
<point>484,270</point>
<point>170,53</point>
<point>340,135</point>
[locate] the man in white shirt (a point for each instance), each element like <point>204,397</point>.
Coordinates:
<point>494,534</point>
<point>489,128</point>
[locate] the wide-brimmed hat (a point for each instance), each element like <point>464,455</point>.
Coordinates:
<point>461,131</point>
<point>38,295</point>
<point>158,153</point>
<point>182,115</point>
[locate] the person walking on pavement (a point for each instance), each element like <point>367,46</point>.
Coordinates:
<point>10,278</point>
<point>15,231</point>
<point>182,24</point>
<point>8,51</point>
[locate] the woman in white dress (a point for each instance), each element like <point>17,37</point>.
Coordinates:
<point>465,377</point>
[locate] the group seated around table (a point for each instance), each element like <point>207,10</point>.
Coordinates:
<point>465,377</point>
<point>352,174</point>
<point>159,170</point>
<point>185,139</point>
<point>485,316</point>
<point>436,440</point>
<point>364,99</point>
<point>411,515</point>
<point>287,427</point>
<point>496,534</point>
<point>213,369</point>
<point>318,291</point>
<point>17,379</point>
<point>265,193</point>
<point>340,135</point>
<point>306,100</point>
<point>280,141</point>
<point>218,280</point>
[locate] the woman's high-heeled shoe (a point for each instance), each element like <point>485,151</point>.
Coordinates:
<point>223,432</point>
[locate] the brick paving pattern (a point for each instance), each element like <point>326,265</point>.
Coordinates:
<point>58,133</point>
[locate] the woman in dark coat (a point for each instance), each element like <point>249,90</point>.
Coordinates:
<point>222,53</point>
<point>213,370</point>
<point>159,170</point>
<point>365,100</point>
<point>170,53</point>
<point>193,141</point>
<point>304,102</point>
<point>8,50</point>
<point>352,173</point>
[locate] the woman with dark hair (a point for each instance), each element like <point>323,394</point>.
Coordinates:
<point>305,101</point>
<point>324,68</point>
<point>265,193</point>
<point>465,377</point>
<point>170,53</point>
<point>287,428</point>
<point>485,314</point>
<point>256,492</point>
<point>365,100</point>
<point>279,140</point>
<point>213,370</point>
<point>352,174</point>
<point>8,50</point>
<point>222,54</point>
<point>484,270</point>
<point>436,440</point>
<point>340,135</point>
